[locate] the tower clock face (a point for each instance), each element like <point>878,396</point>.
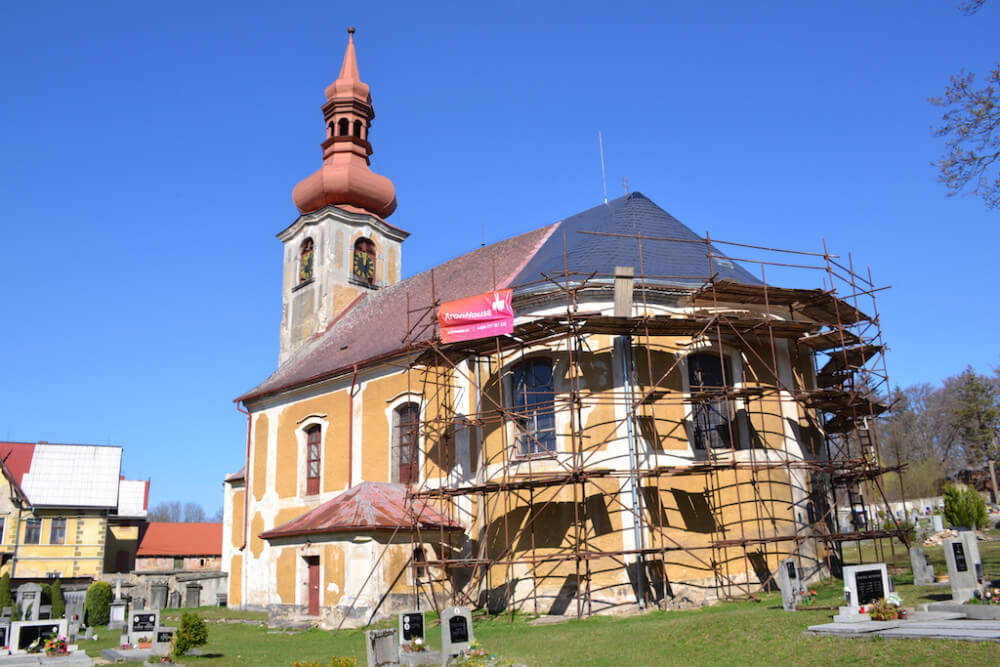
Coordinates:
<point>364,267</point>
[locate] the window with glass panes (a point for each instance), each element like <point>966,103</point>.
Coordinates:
<point>313,459</point>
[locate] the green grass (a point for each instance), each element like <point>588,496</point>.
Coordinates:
<point>728,633</point>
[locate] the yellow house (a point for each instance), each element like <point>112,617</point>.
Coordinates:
<point>649,422</point>
<point>69,513</point>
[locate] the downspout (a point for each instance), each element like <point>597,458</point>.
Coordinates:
<point>350,429</point>
<point>626,343</point>
<point>17,542</point>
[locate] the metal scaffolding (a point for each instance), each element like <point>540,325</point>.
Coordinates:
<point>779,488</point>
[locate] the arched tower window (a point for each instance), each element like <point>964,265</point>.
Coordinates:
<point>343,127</point>
<point>314,454</point>
<point>306,261</point>
<point>357,129</point>
<point>363,266</point>
<point>533,404</point>
<point>406,423</point>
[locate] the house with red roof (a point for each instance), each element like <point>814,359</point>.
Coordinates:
<point>179,546</point>
<point>68,513</point>
<point>603,413</point>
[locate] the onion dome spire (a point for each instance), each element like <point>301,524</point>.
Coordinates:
<point>345,177</point>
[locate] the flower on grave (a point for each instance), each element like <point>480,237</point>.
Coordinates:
<point>894,599</point>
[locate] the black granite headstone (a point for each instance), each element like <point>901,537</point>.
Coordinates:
<point>164,636</point>
<point>3,634</point>
<point>791,570</point>
<point>29,633</point>
<point>143,622</point>
<point>413,627</point>
<point>459,629</point>
<point>958,549</point>
<point>869,585</point>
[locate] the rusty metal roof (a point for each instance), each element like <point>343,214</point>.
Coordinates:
<point>367,506</point>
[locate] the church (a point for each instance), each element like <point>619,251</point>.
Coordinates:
<point>605,414</point>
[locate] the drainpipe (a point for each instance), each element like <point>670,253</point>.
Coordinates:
<point>626,346</point>
<point>17,542</point>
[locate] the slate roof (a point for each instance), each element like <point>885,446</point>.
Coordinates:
<point>367,506</point>
<point>180,539</point>
<point>668,262</point>
<point>375,326</point>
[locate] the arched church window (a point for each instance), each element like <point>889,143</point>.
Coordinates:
<point>306,261</point>
<point>343,127</point>
<point>357,129</point>
<point>406,422</point>
<point>363,266</point>
<point>313,458</point>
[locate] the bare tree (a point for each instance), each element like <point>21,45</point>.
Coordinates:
<point>194,513</point>
<point>169,511</point>
<point>971,130</point>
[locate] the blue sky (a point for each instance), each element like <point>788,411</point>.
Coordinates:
<point>149,151</point>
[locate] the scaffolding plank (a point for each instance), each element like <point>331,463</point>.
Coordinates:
<point>850,358</point>
<point>817,304</point>
<point>828,340</point>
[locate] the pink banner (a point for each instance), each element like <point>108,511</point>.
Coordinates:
<point>479,316</point>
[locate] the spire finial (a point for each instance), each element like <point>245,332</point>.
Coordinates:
<point>350,30</point>
<point>349,69</point>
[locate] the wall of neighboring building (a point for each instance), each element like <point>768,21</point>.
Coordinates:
<point>121,545</point>
<point>143,563</point>
<point>81,553</point>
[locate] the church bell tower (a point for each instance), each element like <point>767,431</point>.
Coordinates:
<point>340,249</point>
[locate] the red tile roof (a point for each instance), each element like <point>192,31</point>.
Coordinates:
<point>240,474</point>
<point>181,539</point>
<point>17,456</point>
<point>367,506</point>
<point>350,340</point>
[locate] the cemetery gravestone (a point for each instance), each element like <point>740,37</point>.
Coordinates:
<point>4,633</point>
<point>142,623</point>
<point>158,595</point>
<point>965,567</point>
<point>456,631</point>
<point>382,647</point>
<point>29,598</point>
<point>862,584</point>
<point>411,627</point>
<point>790,583</point>
<point>24,633</point>
<point>117,616</point>
<point>175,599</point>
<point>161,640</point>
<point>923,571</point>
<point>192,595</point>
<point>937,523</point>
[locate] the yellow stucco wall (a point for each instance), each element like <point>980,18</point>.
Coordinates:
<point>239,500</point>
<point>236,580</point>
<point>286,575</point>
<point>259,477</point>
<point>81,555</point>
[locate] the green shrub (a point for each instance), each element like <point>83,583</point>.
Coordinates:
<point>97,604</point>
<point>193,632</point>
<point>964,508</point>
<point>5,599</point>
<point>58,603</point>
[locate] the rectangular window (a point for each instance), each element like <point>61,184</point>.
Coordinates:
<point>179,563</point>
<point>3,522</point>
<point>534,407</point>
<point>32,531</point>
<point>712,423</point>
<point>313,459</point>
<point>57,535</point>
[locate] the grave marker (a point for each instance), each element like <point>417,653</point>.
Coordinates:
<point>24,633</point>
<point>456,631</point>
<point>790,583</point>
<point>965,567</point>
<point>411,627</point>
<point>382,647</point>
<point>923,571</point>
<point>862,584</point>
